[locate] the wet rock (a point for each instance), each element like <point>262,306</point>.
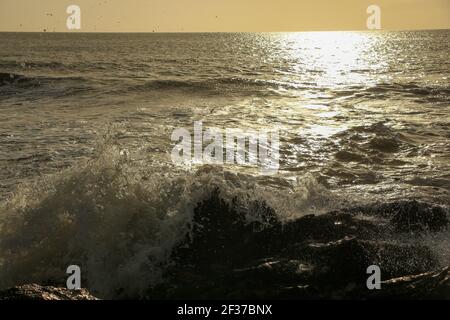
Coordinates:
<point>314,257</point>
<point>220,230</point>
<point>413,216</point>
<point>429,285</point>
<point>37,292</point>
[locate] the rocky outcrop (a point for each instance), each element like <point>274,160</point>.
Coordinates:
<point>314,257</point>
<point>37,292</point>
<point>227,256</point>
<point>430,285</point>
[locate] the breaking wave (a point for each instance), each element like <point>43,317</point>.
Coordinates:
<point>150,234</point>
<point>121,226</point>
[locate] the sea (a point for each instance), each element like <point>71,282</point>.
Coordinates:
<point>87,177</point>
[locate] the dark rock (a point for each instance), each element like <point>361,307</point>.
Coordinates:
<point>429,285</point>
<point>411,216</point>
<point>37,292</point>
<point>314,257</point>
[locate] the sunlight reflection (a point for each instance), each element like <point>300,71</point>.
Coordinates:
<point>324,130</point>
<point>335,58</point>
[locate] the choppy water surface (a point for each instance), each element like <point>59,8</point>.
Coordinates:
<point>367,111</point>
<point>363,118</point>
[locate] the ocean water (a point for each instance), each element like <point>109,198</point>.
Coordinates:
<point>85,141</point>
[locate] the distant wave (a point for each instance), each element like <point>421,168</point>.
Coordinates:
<point>19,79</point>
<point>10,81</point>
<point>11,78</point>
<point>33,65</point>
<point>223,85</point>
<point>36,87</point>
<point>53,66</point>
<point>389,90</point>
<point>411,88</point>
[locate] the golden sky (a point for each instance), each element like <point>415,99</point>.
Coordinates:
<point>221,15</point>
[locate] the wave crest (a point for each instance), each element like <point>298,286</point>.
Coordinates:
<point>120,226</point>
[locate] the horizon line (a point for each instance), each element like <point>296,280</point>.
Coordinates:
<point>177,32</point>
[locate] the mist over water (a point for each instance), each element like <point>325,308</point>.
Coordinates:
<point>86,120</point>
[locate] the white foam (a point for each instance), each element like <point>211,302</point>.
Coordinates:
<point>120,223</point>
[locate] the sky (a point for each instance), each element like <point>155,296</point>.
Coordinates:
<point>221,15</point>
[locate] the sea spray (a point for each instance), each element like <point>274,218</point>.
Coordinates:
<point>120,224</point>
